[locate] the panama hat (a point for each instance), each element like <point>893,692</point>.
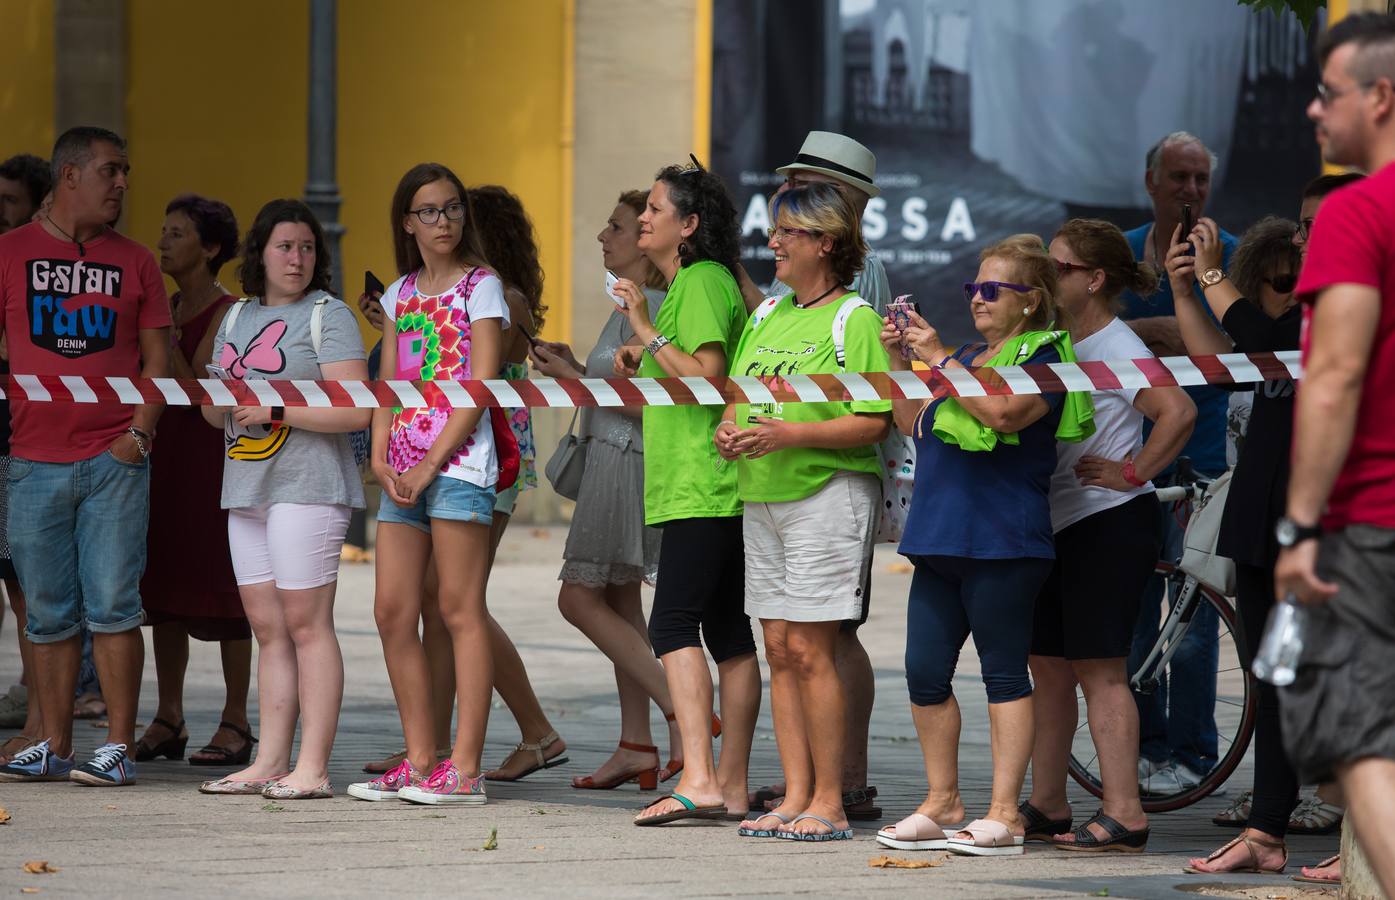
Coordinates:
<point>837,156</point>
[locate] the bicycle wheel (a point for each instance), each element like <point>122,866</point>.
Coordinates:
<point>1236,702</point>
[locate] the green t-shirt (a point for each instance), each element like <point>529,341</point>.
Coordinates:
<point>794,341</point>
<point>684,477</point>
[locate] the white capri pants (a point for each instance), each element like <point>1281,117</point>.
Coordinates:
<point>296,545</point>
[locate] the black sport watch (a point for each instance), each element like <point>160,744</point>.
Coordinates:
<point>1289,533</point>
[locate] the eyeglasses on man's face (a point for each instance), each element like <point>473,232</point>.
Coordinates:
<point>1327,95</point>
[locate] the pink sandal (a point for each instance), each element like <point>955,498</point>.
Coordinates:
<point>987,837</point>
<point>1321,879</point>
<point>915,832</point>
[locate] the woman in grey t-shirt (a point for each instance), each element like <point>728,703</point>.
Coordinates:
<point>289,483</point>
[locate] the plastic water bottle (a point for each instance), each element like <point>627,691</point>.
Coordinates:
<point>1282,644</point>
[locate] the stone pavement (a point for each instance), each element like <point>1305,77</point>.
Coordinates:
<point>161,837</point>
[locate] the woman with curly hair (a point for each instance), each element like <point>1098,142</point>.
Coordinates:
<point>189,589</point>
<point>689,231</point>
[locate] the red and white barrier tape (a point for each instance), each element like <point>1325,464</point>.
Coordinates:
<point>1168,371</point>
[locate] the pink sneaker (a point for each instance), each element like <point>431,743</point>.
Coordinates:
<point>446,785</point>
<point>389,785</point>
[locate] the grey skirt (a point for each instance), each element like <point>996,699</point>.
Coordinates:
<point>608,542</point>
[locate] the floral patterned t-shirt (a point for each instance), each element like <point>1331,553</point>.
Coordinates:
<point>433,344</point>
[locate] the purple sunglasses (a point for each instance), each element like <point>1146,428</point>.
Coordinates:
<point>989,289</point>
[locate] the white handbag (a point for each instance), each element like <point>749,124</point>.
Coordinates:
<point>1199,557</point>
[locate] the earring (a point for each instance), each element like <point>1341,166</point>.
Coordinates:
<point>1089,290</point>
<point>682,248</point>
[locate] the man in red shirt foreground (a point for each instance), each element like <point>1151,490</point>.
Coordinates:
<point>1338,717</point>
<point>77,298</point>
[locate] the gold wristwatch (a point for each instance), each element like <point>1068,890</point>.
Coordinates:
<point>1212,277</point>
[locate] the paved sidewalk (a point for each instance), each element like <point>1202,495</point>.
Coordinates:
<point>161,837</point>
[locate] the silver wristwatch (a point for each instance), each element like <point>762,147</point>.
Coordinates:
<point>654,346</point>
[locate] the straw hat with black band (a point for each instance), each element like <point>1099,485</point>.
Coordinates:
<point>837,156</point>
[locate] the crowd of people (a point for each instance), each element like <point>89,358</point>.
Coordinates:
<point>1033,526</point>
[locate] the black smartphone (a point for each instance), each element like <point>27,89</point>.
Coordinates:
<point>532,341</point>
<point>371,285</point>
<point>1188,223</point>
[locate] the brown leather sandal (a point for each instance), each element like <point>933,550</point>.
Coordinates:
<point>1250,843</point>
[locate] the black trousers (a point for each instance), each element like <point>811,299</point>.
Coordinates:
<point>1276,782</point>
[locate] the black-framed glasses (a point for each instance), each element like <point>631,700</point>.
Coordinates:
<point>1305,228</point>
<point>1065,268</point>
<point>1328,95</point>
<point>988,290</point>
<point>430,215</point>
<point>1283,284</point>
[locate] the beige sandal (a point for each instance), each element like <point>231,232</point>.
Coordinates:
<point>537,750</point>
<point>1250,843</point>
<point>15,746</point>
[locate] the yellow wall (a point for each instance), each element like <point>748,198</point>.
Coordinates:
<point>26,78</point>
<point>476,86</point>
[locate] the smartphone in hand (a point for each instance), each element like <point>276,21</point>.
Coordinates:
<point>899,311</point>
<point>611,280</point>
<point>371,285</point>
<point>1188,223</point>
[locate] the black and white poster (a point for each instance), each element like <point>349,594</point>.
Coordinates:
<point>993,117</point>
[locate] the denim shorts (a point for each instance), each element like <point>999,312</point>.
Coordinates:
<point>445,498</point>
<point>77,535</point>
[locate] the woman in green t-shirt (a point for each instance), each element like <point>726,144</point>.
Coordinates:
<point>689,230</point>
<point>810,479</point>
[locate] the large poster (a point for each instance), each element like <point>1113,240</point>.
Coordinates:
<point>992,117</point>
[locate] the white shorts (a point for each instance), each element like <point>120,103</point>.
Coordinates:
<point>294,544</point>
<point>805,558</point>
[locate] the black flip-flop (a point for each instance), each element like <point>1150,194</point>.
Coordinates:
<point>1038,826</point>
<point>226,757</point>
<point>1120,840</point>
<point>690,810</point>
<point>857,797</point>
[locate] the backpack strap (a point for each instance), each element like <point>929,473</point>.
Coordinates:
<point>840,327</point>
<point>231,318</point>
<point>767,306</point>
<point>317,319</point>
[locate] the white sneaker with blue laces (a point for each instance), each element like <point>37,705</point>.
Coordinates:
<point>109,767</point>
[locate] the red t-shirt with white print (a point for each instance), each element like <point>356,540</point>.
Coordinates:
<point>71,314</point>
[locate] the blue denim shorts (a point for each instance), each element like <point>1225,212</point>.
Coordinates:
<point>445,498</point>
<point>77,536</point>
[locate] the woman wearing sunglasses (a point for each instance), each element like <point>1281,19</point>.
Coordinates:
<point>1108,533</point>
<point>979,535</point>
<point>1255,305</point>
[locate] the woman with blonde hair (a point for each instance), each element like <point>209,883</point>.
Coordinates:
<point>979,536</point>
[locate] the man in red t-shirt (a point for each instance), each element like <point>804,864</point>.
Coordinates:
<point>1338,716</point>
<point>78,299</point>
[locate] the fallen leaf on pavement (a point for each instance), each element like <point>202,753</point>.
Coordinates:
<point>273,807</point>
<point>4,815</point>
<point>539,533</point>
<point>493,842</point>
<point>895,862</point>
<point>40,867</point>
<point>900,568</point>
<point>111,807</point>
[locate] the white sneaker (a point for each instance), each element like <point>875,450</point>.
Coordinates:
<point>1174,778</point>
<point>1147,767</point>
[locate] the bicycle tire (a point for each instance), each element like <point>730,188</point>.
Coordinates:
<point>1226,765</point>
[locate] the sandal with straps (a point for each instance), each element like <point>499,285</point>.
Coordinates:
<point>1319,879</point>
<point>536,749</point>
<point>647,776</point>
<point>171,747</point>
<point>1039,826</point>
<point>1119,839</point>
<point>218,755</point>
<point>1250,842</point>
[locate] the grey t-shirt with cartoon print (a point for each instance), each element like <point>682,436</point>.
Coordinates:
<point>287,465</point>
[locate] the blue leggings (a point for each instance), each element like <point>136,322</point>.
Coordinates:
<point>953,597</point>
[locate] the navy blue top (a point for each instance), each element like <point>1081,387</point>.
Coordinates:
<point>985,505</point>
<point>1206,447</point>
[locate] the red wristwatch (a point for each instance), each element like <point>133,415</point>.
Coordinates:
<point>278,415</point>
<point>1131,476</point>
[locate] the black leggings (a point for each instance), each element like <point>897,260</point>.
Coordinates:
<point>701,594</point>
<point>1276,782</point>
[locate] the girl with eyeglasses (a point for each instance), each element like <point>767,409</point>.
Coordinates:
<point>1257,311</point>
<point>979,536</point>
<point>439,468</point>
<point>1108,533</point>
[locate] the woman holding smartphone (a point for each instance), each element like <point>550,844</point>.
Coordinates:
<point>289,484</point>
<point>438,467</point>
<point>689,231</point>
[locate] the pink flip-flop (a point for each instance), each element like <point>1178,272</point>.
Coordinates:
<point>987,837</point>
<point>1318,879</point>
<point>915,832</point>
